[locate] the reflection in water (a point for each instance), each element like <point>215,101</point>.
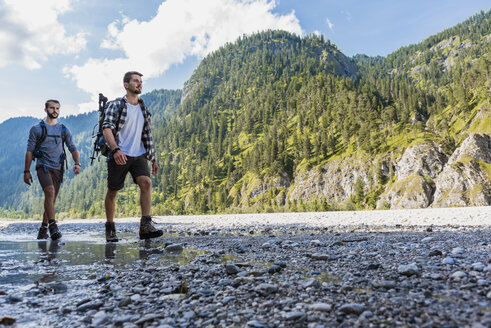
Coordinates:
<point>48,256</point>
<point>146,251</point>
<point>110,252</point>
<point>33,261</point>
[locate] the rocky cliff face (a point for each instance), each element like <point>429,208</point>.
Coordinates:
<point>334,181</point>
<point>425,175</point>
<point>416,170</point>
<point>466,179</point>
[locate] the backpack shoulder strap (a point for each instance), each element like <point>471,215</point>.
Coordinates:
<point>43,134</point>
<point>63,132</point>
<point>121,102</point>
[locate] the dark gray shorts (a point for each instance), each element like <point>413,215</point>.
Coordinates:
<point>50,177</point>
<point>116,174</point>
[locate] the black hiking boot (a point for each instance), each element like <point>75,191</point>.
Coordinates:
<point>54,232</point>
<point>147,230</point>
<point>111,232</point>
<point>43,232</point>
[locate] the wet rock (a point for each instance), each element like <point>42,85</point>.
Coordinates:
<point>458,275</point>
<point>147,318</point>
<point>274,269</point>
<point>93,305</point>
<point>294,316</point>
<point>352,308</point>
<point>7,321</point>
<point>242,249</point>
<point>320,307</point>
<point>188,315</point>
<point>387,284</point>
<point>435,252</point>
<point>228,299</point>
<point>174,248</point>
<point>449,260</point>
<point>14,299</point>
<point>409,269</point>
<point>232,269</point>
<point>57,287</point>
<point>478,266</point>
<point>121,319</point>
<point>124,302</point>
<point>255,324</point>
<point>323,257</point>
<point>205,292</point>
<point>310,283</point>
<point>265,289</point>
<point>457,251</point>
<point>99,319</point>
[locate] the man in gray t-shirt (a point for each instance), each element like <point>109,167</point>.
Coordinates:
<point>46,142</point>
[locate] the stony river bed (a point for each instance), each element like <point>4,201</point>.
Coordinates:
<point>247,276</point>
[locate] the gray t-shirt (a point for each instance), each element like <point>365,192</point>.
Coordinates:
<point>51,148</point>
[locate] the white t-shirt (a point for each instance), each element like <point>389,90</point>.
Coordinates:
<point>130,136</point>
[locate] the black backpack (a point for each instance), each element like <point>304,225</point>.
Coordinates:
<point>37,151</point>
<point>100,145</point>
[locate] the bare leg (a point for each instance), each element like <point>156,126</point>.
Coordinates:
<point>49,203</point>
<point>145,185</point>
<point>110,204</point>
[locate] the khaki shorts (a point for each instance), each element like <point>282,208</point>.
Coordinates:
<point>50,177</point>
<point>116,174</point>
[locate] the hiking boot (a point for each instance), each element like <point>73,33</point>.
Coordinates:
<point>147,230</point>
<point>53,230</point>
<point>43,232</point>
<point>111,232</point>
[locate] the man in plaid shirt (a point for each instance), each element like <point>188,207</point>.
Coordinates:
<point>126,128</point>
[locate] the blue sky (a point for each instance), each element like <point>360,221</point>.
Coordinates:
<point>73,49</point>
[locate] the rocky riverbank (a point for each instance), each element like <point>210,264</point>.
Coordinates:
<point>284,270</point>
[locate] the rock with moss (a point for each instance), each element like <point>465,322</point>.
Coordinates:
<point>414,191</point>
<point>334,181</point>
<point>466,179</point>
<point>417,168</point>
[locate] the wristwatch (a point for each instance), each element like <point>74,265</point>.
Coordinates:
<point>78,164</point>
<point>115,150</point>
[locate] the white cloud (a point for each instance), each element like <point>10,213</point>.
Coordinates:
<point>30,32</point>
<point>331,25</point>
<point>181,28</point>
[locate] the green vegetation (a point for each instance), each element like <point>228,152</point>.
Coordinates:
<point>261,110</point>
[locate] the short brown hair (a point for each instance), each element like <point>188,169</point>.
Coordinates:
<point>46,104</point>
<point>127,76</point>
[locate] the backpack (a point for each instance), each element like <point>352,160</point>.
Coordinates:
<point>37,151</point>
<point>100,145</point>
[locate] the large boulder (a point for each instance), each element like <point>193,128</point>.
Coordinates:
<point>466,180</point>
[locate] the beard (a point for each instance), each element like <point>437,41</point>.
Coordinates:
<point>53,115</point>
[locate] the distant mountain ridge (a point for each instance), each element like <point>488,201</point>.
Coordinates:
<point>278,122</point>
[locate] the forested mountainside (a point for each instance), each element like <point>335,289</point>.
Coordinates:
<point>278,122</point>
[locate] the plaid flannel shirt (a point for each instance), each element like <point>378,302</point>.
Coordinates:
<point>111,118</point>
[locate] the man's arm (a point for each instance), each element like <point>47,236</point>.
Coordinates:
<point>76,158</point>
<point>119,156</point>
<point>27,168</point>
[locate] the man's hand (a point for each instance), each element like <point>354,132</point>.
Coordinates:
<point>77,168</point>
<point>119,157</point>
<point>155,168</point>
<point>28,178</point>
